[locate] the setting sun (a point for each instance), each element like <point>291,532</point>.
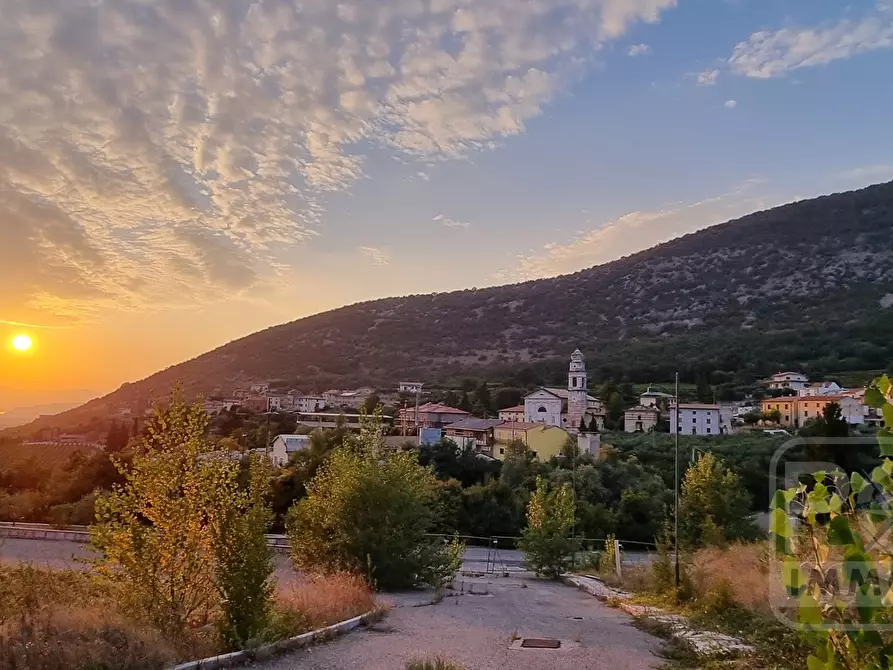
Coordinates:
<point>22,343</point>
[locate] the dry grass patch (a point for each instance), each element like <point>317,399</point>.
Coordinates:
<point>433,664</point>
<point>741,571</point>
<point>316,601</point>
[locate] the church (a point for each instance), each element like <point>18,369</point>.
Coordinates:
<point>566,407</point>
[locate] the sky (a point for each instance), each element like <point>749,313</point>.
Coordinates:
<point>175,174</point>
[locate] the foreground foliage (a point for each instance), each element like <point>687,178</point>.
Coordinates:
<point>547,540</point>
<point>183,544</point>
<point>837,566</point>
<point>368,510</point>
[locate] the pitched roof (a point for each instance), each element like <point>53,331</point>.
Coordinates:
<point>699,405</point>
<point>643,408</point>
<point>526,425</point>
<point>564,393</point>
<point>516,408</point>
<point>435,408</point>
<point>475,424</point>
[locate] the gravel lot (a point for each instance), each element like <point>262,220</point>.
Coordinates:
<point>477,631</point>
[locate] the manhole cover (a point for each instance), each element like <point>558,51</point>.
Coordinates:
<point>539,643</point>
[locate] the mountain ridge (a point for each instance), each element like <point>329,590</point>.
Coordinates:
<point>768,286</point>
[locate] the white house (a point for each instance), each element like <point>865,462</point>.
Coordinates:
<point>788,380</point>
<point>565,407</point>
<point>308,403</point>
<point>410,387</point>
<point>696,419</point>
<point>280,403</point>
<point>655,398</point>
<point>260,389</point>
<point>285,445</point>
<point>820,388</point>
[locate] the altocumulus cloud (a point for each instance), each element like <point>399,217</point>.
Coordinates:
<point>155,152</point>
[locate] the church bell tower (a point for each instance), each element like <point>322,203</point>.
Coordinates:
<point>577,391</point>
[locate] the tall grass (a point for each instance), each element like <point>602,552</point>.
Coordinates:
<point>316,601</point>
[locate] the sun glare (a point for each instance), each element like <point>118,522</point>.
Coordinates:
<point>22,343</point>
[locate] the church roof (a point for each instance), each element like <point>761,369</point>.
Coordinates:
<point>563,393</point>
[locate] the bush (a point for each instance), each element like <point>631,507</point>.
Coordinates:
<point>433,664</point>
<point>546,541</point>
<point>368,511</point>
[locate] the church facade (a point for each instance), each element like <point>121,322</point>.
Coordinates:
<point>566,407</point>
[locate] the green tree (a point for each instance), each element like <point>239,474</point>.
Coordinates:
<point>371,404</point>
<point>845,532</point>
<point>369,510</point>
<point>714,507</point>
<point>163,534</point>
<point>547,541</point>
<point>482,398</point>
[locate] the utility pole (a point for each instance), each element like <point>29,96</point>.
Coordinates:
<point>676,487</point>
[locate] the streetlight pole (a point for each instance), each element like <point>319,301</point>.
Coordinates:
<point>676,487</point>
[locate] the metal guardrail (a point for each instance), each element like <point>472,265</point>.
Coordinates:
<point>81,534</point>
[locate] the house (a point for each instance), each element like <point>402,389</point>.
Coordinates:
<point>280,403</point>
<point>431,415</point>
<point>788,380</point>
<point>821,388</point>
<point>542,440</point>
<point>795,412</point>
<point>641,419</point>
<point>354,399</point>
<point>410,387</point>
<point>307,403</point>
<point>654,398</point>
<point>260,389</point>
<point>481,431</point>
<point>696,419</point>
<point>256,403</point>
<point>516,413</point>
<point>285,445</point>
<point>565,408</point>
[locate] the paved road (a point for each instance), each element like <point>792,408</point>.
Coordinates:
<point>477,631</point>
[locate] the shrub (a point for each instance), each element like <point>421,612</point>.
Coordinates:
<point>368,511</point>
<point>433,664</point>
<point>546,541</point>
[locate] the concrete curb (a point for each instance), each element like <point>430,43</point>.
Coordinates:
<point>268,651</point>
<point>595,587</point>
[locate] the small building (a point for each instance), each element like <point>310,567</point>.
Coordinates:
<point>410,387</point>
<point>255,403</point>
<point>542,440</point>
<point>280,403</point>
<point>641,419</point>
<point>696,419</point>
<point>431,415</point>
<point>515,413</point>
<point>480,430</point>
<point>821,388</point>
<point>285,445</point>
<point>654,398</point>
<point>260,389</point>
<point>788,380</point>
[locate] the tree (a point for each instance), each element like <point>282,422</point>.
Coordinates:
<point>117,437</point>
<point>547,540</point>
<point>582,428</point>
<point>704,391</point>
<point>713,498</point>
<point>482,398</point>
<point>371,404</point>
<point>844,523</point>
<point>369,510</point>
<point>166,533</point>
<point>593,425</point>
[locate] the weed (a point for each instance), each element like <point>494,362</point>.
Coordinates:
<point>433,664</point>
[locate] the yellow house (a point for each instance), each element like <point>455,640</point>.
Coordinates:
<point>543,440</point>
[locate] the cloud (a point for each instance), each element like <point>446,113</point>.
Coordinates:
<point>879,172</point>
<point>636,231</point>
<point>375,255</point>
<point>707,77</point>
<point>730,104</point>
<point>639,50</point>
<point>769,54</point>
<point>451,223</point>
<point>163,153</point>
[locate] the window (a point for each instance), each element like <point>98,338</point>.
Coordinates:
<point>574,382</point>
<point>534,453</point>
<point>805,413</point>
<point>502,451</point>
<point>541,409</point>
<point>785,405</point>
<point>694,419</point>
<point>694,431</point>
<point>787,418</point>
<point>708,420</point>
<point>708,431</point>
<point>679,429</point>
